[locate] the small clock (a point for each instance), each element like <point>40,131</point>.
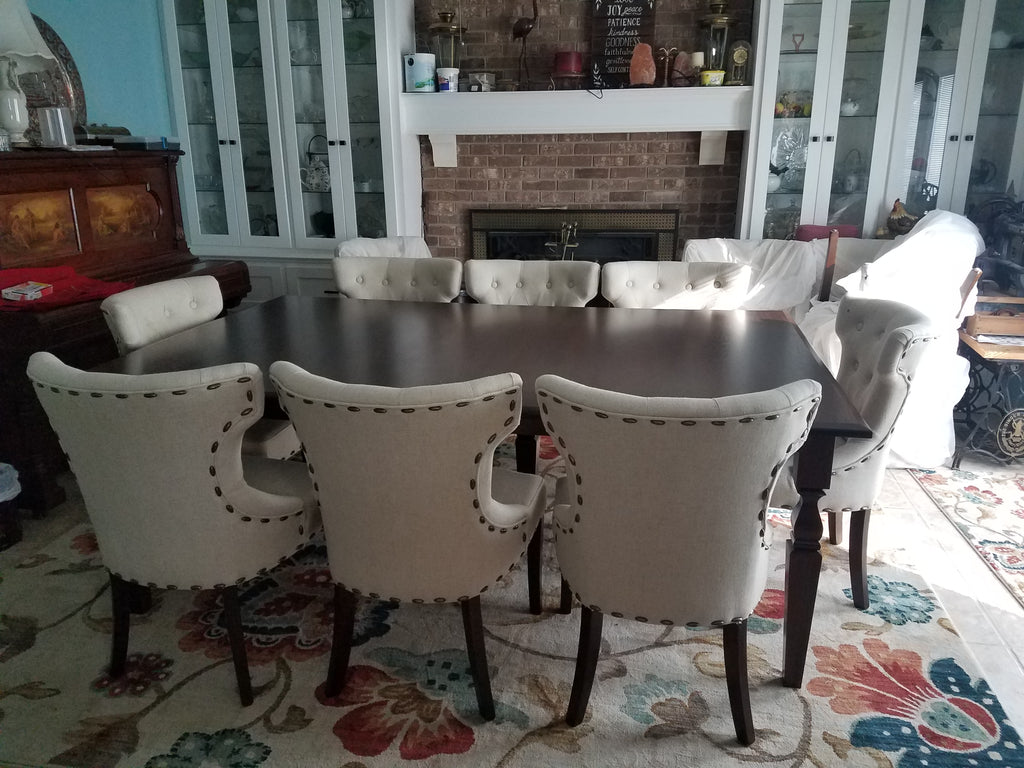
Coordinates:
<point>737,63</point>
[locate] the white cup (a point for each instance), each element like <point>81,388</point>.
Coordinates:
<point>55,128</point>
<point>448,79</point>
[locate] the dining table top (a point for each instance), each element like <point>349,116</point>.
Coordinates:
<point>648,352</point>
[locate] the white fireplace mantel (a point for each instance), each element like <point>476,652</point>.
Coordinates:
<point>443,116</point>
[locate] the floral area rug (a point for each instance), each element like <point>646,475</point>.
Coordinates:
<point>987,508</point>
<point>890,686</point>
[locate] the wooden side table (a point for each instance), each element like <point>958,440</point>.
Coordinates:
<point>993,405</point>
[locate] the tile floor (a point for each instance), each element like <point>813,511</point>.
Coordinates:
<point>909,531</point>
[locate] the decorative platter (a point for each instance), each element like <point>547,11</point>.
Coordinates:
<point>68,83</point>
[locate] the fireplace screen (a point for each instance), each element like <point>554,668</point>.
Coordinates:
<point>587,235</point>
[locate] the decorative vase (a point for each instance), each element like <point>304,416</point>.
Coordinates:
<point>13,105</point>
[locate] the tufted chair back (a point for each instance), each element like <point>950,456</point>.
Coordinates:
<point>140,316</point>
<point>399,278</point>
<point>405,246</point>
<point>675,284</point>
<point>159,464</point>
<point>532,282</point>
<point>685,541</point>
<point>883,343</point>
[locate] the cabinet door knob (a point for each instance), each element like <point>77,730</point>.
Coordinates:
<point>815,138</point>
<point>954,137</point>
<point>232,142</point>
<point>222,142</point>
<point>830,138</point>
<point>969,137</point>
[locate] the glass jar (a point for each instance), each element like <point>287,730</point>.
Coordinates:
<point>446,41</point>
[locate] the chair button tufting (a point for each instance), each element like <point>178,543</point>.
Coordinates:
<point>718,284</point>
<point>412,283</point>
<point>571,284</point>
<point>494,284</point>
<point>688,287</point>
<point>629,283</point>
<point>167,311</point>
<point>657,286</point>
<point>359,279</point>
<point>519,283</point>
<point>385,281</point>
<point>549,284</point>
<point>194,304</point>
<point>860,326</point>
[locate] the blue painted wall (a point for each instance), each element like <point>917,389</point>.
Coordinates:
<point>118,47</point>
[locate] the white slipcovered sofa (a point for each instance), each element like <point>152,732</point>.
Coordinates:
<point>925,269</point>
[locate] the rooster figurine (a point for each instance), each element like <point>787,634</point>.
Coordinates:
<point>900,220</point>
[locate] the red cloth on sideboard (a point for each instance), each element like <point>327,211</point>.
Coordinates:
<point>68,287</point>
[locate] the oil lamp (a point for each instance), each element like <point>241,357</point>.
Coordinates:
<point>715,36</point>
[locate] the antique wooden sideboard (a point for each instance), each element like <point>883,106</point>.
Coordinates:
<point>111,215</point>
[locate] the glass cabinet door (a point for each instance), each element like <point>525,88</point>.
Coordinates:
<point>932,148</point>
<point>794,108</point>
<point>997,162</point>
<point>198,79</point>
<point>251,64</point>
<point>858,111</point>
<point>364,119</point>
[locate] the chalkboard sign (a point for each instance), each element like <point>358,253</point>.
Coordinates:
<point>618,26</point>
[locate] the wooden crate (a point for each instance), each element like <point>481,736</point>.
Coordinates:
<point>997,316</point>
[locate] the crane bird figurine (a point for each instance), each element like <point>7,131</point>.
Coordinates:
<point>520,30</point>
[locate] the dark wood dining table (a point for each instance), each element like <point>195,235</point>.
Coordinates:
<point>641,351</point>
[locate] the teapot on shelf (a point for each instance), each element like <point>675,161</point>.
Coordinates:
<point>316,176</point>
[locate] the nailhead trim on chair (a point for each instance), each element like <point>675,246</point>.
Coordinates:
<point>472,483</point>
<point>765,495</point>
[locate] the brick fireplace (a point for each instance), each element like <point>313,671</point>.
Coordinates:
<point>599,171</point>
<point>644,171</point>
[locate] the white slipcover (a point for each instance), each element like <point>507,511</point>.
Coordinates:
<point>925,270</point>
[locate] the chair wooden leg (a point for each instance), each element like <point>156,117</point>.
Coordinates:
<point>345,604</point>
<point>140,598</point>
<point>859,557</point>
<point>565,601</point>
<point>233,621</point>
<point>586,665</point>
<point>472,623</point>
<point>120,597</point>
<point>735,647</point>
<point>533,560</point>
<point>835,527</point>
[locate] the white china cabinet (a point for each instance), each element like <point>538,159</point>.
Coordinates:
<point>276,105</point>
<point>825,114</point>
<point>964,137</point>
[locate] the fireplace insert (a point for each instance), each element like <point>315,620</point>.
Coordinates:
<point>565,233</point>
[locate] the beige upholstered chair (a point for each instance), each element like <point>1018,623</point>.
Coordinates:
<point>399,278</point>
<point>532,282</point>
<point>142,315</point>
<point>883,344</point>
<point>407,246</point>
<point>428,519</point>
<point>675,284</point>
<point>149,313</point>
<point>687,542</point>
<point>173,502</point>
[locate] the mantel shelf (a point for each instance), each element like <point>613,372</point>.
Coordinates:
<point>443,117</point>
